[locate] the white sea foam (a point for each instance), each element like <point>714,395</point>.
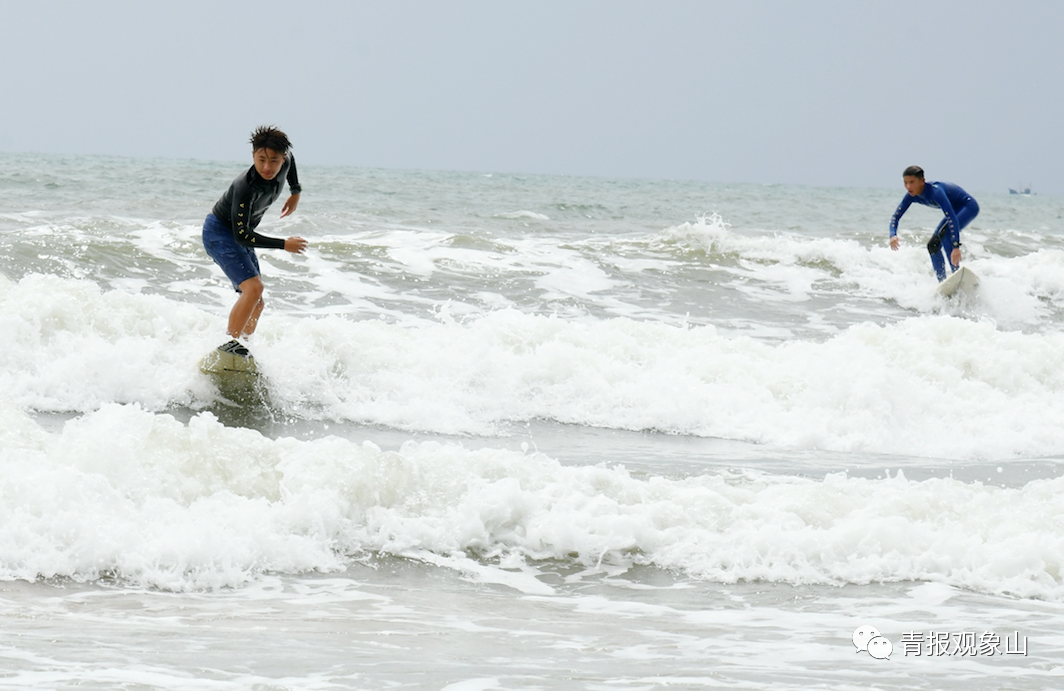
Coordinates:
<point>1018,292</point>
<point>142,497</point>
<point>936,386</point>
<point>517,215</point>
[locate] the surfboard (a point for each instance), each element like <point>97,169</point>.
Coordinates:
<point>236,376</point>
<point>963,280</point>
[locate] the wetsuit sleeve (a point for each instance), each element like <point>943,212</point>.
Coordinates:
<point>243,233</point>
<point>906,201</point>
<point>953,226</point>
<point>293,177</point>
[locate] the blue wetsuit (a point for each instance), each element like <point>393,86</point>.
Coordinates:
<point>958,206</point>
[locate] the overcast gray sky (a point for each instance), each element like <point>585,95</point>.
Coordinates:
<point>820,92</point>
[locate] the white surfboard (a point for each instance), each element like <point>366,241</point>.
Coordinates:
<point>236,376</point>
<point>963,280</point>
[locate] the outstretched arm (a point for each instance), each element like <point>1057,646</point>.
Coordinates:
<point>293,184</point>
<point>295,245</point>
<point>290,205</point>
<point>906,201</point>
<point>241,220</point>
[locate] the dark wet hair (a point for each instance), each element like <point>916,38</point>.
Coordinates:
<point>914,171</point>
<point>270,138</point>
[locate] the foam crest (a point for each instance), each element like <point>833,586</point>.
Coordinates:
<point>708,233</point>
<point>127,494</point>
<point>1020,289</point>
<point>936,386</point>
<point>523,214</point>
<point>71,346</point>
<point>930,386</point>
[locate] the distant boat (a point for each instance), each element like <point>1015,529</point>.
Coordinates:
<point>1021,190</point>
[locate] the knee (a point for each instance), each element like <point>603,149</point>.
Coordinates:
<point>934,245</point>
<point>252,289</point>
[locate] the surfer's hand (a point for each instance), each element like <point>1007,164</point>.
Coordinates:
<point>290,205</point>
<point>295,244</point>
<point>955,256</point>
<point>894,242</point>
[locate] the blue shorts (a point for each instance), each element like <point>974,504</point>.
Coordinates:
<point>238,262</point>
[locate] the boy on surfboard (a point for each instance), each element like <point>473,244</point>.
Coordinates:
<point>229,232</point>
<point>958,206</point>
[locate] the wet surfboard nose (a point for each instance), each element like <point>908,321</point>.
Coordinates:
<point>962,280</point>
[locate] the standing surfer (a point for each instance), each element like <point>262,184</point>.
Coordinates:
<point>229,232</point>
<point>958,206</point>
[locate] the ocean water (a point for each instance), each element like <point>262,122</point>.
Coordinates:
<point>526,432</point>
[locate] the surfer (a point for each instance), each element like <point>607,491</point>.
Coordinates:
<point>958,206</point>
<point>229,232</point>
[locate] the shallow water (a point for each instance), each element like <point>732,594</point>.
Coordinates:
<point>396,623</point>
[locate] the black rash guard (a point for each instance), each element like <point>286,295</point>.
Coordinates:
<point>244,203</point>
